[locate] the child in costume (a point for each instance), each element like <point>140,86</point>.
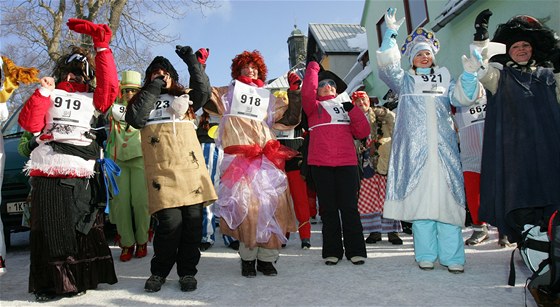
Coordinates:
<point>128,209</point>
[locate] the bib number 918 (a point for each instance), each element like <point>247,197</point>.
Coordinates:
<point>251,100</point>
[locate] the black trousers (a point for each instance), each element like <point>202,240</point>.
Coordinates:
<point>176,240</point>
<point>337,190</point>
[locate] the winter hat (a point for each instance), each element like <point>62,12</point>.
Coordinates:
<point>420,40</point>
<point>78,62</point>
<point>529,29</point>
<point>160,62</point>
<point>358,94</point>
<point>130,79</point>
<point>340,84</point>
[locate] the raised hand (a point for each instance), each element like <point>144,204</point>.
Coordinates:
<point>184,52</point>
<point>100,33</point>
<point>202,55</point>
<point>481,25</point>
<point>391,21</point>
<point>294,80</point>
<point>472,63</point>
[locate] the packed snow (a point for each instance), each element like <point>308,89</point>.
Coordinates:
<point>390,277</point>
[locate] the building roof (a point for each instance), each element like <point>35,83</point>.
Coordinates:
<point>281,82</point>
<point>333,38</point>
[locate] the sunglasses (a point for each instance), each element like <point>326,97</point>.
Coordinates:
<point>128,90</point>
<point>76,57</point>
<point>326,82</point>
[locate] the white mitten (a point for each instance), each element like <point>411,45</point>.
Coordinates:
<point>474,62</point>
<point>181,104</point>
<point>391,20</point>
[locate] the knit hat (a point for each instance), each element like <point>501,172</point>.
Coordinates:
<point>340,84</point>
<point>160,62</point>
<point>358,94</point>
<point>419,40</point>
<point>529,29</point>
<point>131,79</point>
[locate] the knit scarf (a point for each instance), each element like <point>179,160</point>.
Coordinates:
<point>249,81</point>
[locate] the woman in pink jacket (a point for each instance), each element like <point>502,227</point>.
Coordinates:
<point>333,124</point>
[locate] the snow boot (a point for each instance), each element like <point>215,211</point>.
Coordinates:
<point>248,268</point>
<point>479,235</point>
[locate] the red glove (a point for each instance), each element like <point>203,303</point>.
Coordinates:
<point>202,54</point>
<point>294,80</point>
<point>100,33</point>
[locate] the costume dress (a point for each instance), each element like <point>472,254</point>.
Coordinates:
<point>424,181</point>
<point>69,252</point>
<point>254,200</point>
<point>521,152</point>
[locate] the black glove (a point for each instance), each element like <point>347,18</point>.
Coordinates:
<point>32,144</point>
<point>313,57</point>
<point>481,25</point>
<point>185,53</point>
<point>347,106</point>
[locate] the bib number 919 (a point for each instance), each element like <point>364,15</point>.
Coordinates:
<point>68,103</point>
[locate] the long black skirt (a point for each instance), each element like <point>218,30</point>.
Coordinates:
<point>64,260</point>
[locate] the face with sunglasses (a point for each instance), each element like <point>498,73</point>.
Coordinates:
<point>326,87</point>
<point>128,93</point>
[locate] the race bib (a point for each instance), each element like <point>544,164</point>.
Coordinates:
<point>118,111</point>
<point>432,84</point>
<point>473,114</point>
<point>285,135</point>
<point>336,110</point>
<point>162,112</point>
<point>249,101</point>
<point>74,109</point>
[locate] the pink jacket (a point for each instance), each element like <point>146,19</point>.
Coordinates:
<point>330,145</point>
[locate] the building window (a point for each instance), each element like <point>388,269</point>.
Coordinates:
<point>381,28</point>
<point>416,12</point>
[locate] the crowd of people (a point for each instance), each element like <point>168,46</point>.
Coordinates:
<point>180,161</point>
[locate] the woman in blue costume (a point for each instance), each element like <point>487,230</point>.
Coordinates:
<point>424,182</point>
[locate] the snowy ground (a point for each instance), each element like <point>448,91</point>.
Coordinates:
<point>390,277</point>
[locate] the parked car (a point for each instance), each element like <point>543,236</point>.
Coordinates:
<point>15,187</point>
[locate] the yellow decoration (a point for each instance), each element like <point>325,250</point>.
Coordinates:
<point>213,132</point>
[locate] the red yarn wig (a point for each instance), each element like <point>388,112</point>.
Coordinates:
<point>246,58</point>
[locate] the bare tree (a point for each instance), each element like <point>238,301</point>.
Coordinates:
<point>39,27</point>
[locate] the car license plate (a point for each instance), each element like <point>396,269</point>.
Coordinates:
<point>15,207</point>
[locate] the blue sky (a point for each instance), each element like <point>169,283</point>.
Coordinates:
<point>248,25</point>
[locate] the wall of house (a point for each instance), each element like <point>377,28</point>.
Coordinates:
<point>455,36</point>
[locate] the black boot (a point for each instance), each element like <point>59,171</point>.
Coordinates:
<point>266,268</point>
<point>248,268</point>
